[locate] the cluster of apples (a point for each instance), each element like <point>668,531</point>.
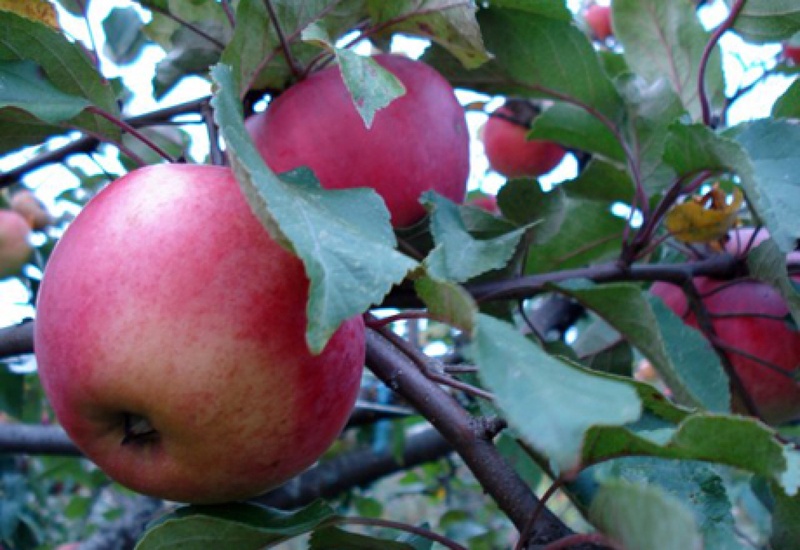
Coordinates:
<point>170,333</point>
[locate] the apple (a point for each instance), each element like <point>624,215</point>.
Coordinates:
<point>791,53</point>
<point>15,248</point>
<point>31,208</point>
<point>485,202</point>
<point>599,20</point>
<point>750,317</point>
<point>170,341</point>
<point>418,143</point>
<point>509,151</point>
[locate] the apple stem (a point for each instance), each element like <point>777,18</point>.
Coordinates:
<point>134,132</point>
<point>413,529</point>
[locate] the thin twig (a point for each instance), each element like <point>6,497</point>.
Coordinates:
<point>528,530</point>
<point>294,66</point>
<point>413,529</point>
<point>192,27</point>
<point>712,42</point>
<point>132,131</point>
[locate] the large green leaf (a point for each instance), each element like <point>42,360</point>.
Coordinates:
<point>572,126</point>
<point>67,67</point>
<point>343,237</point>
<point>773,187</point>
<point>767,20</point>
<point>333,538</point>
<point>788,105</point>
<point>697,485</point>
<point>679,353</point>
<point>451,24</point>
<point>541,51</point>
<point>124,37</point>
<point>665,40</point>
<point>524,202</point>
<point>23,86</point>
<point>785,519</point>
<point>532,388</point>
<point>240,526</point>
<point>768,264</point>
<point>644,517</point>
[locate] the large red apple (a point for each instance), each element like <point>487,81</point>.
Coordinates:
<point>418,143</point>
<point>15,248</point>
<point>599,20</point>
<point>751,319</point>
<point>170,341</point>
<point>510,152</point>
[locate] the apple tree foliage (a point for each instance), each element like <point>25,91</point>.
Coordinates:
<point>532,406</point>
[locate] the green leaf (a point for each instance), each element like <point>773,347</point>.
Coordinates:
<point>67,68</point>
<point>371,86</point>
<point>452,25</point>
<point>696,485</point>
<point>240,526</point>
<point>768,264</point>
<point>343,237</point>
<point>124,38</point>
<point>23,86</point>
<point>680,354</point>
<point>572,126</point>
<point>665,40</point>
<point>767,20</point>
<point>736,441</point>
<point>458,256</point>
<point>523,202</point>
<point>644,518</point>
<point>785,519</point>
<point>532,387</point>
<point>652,108</point>
<point>255,51</point>
<point>447,302</point>
<point>12,392</point>
<point>773,187</point>
<point>333,538</point>
<point>598,236</point>
<point>192,33</point>
<point>537,49</point>
<point>788,105</point>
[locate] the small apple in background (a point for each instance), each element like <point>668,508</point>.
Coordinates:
<point>15,247</point>
<point>507,148</point>
<point>24,202</point>
<point>170,341</point>
<point>418,143</point>
<point>599,20</point>
<point>751,317</point>
<point>484,202</point>
<point>791,53</point>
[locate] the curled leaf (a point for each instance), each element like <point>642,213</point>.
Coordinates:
<point>705,219</point>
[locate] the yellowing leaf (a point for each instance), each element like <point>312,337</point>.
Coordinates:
<point>36,10</point>
<point>693,222</point>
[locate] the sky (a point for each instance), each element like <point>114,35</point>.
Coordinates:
<point>53,180</point>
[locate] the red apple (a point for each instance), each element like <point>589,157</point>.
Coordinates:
<point>510,152</point>
<point>31,208</point>
<point>791,53</point>
<point>170,341</point>
<point>750,318</point>
<point>418,143</point>
<point>15,248</point>
<point>485,202</point>
<point>599,20</point>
